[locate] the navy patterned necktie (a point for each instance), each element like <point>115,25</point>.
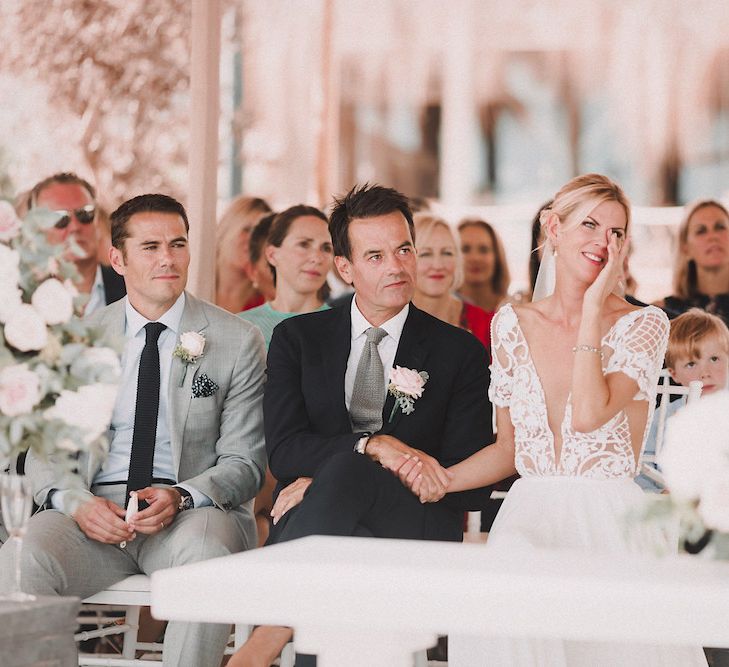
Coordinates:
<point>145,414</point>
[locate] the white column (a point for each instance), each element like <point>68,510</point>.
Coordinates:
<point>458,136</point>
<point>203,157</point>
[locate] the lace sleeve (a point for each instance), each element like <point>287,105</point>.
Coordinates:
<point>502,361</point>
<point>639,345</point>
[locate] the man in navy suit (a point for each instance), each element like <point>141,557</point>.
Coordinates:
<point>334,477</point>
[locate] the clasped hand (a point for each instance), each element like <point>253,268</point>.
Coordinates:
<point>103,520</point>
<point>418,471</point>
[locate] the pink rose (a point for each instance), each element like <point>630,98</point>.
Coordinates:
<point>19,390</point>
<point>9,222</point>
<point>407,381</point>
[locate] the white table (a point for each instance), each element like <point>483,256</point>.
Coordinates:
<point>367,601</point>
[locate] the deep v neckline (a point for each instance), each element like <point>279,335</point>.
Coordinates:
<point>568,402</point>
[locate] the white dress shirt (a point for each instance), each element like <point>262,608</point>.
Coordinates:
<point>386,349</point>
<point>97,295</point>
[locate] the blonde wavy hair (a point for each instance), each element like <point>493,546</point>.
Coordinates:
<point>425,225</point>
<point>578,197</point>
<point>242,213</point>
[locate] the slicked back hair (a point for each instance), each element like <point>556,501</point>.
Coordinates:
<point>64,177</point>
<point>364,201</point>
<point>150,203</point>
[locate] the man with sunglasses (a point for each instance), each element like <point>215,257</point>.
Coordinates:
<point>75,199</point>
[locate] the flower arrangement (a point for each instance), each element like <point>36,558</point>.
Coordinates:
<point>695,465</point>
<point>58,377</point>
<point>406,385</point>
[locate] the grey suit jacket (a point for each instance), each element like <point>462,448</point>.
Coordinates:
<point>217,441</point>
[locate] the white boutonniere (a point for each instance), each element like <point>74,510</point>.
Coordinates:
<point>189,350</point>
<point>406,385</point>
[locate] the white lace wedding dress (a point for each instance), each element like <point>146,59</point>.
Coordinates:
<point>579,501</point>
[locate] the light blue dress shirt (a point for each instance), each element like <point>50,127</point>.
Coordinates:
<point>97,295</point>
<point>116,466</point>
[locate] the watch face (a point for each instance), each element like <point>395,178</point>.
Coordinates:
<point>186,503</point>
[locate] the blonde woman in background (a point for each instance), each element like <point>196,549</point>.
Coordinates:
<point>440,274</point>
<point>234,290</point>
<point>486,273</point>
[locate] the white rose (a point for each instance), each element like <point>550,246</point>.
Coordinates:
<point>10,299</point>
<point>25,329</point>
<point>193,343</point>
<point>696,451</point>
<point>714,506</point>
<point>88,409</point>
<point>19,390</point>
<point>53,301</point>
<point>9,222</point>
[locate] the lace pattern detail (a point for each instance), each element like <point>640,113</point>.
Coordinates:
<point>635,345</point>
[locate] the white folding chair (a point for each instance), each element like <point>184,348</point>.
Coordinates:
<point>117,613</point>
<point>666,391</point>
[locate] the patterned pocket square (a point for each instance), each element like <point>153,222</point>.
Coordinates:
<point>203,386</point>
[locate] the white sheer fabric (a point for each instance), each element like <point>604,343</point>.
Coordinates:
<point>579,501</point>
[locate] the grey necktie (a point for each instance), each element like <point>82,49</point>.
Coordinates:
<point>368,394</point>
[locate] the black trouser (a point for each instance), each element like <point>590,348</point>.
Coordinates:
<point>353,495</point>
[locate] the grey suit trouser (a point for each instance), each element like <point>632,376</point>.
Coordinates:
<point>58,559</point>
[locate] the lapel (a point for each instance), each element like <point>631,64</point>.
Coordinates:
<point>179,391</point>
<point>335,346</point>
<point>411,352</point>
<point>112,320</point>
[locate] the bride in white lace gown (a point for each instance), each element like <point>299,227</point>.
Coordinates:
<point>573,381</point>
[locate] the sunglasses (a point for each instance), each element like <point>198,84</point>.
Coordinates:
<point>84,215</point>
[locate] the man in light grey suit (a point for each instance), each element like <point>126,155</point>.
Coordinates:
<point>187,435</point>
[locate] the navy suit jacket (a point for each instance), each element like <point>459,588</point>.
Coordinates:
<point>305,417</point>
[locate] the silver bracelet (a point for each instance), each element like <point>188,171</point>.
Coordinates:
<point>588,348</point>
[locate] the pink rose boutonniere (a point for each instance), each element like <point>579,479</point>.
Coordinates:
<point>406,385</point>
<point>189,350</point>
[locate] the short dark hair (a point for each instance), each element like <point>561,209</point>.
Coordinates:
<point>257,239</point>
<point>150,203</point>
<point>61,177</point>
<point>364,201</point>
<point>282,222</point>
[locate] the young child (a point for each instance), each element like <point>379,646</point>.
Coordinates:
<point>698,349</point>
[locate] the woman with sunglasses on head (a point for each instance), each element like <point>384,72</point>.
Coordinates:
<point>573,381</point>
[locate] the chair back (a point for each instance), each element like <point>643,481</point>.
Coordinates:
<point>666,391</point>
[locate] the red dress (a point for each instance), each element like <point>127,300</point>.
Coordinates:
<point>478,322</point>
